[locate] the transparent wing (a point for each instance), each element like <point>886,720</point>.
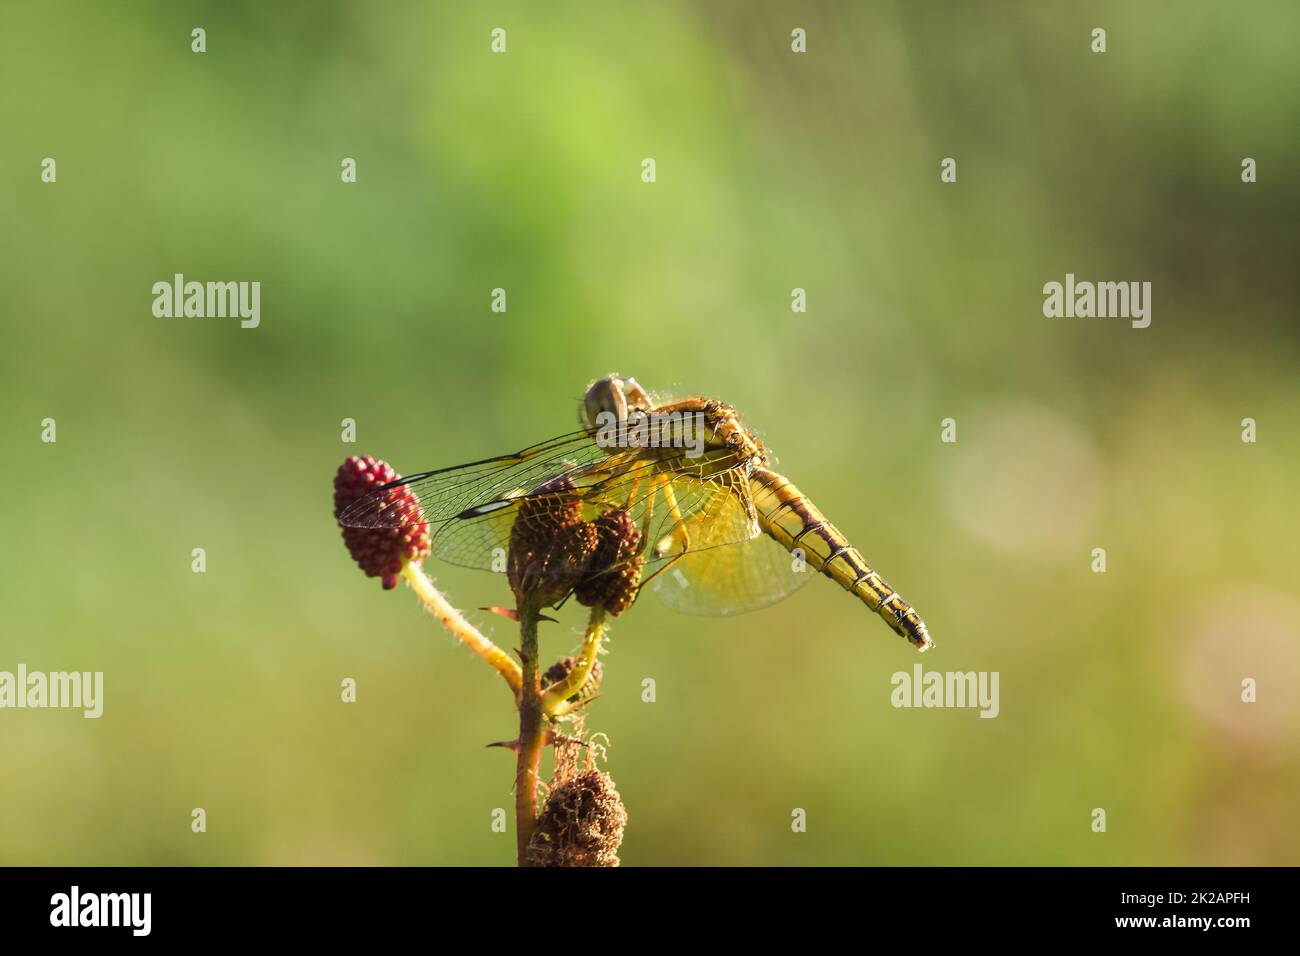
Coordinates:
<point>447,492</point>
<point>720,577</point>
<point>470,509</point>
<point>661,493</point>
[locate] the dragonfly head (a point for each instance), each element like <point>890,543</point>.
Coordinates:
<point>612,395</point>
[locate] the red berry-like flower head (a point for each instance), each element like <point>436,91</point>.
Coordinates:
<point>380,548</point>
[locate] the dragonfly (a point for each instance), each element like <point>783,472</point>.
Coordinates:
<point>718,531</point>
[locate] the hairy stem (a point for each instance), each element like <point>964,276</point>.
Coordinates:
<point>455,622</point>
<point>532,732</point>
<point>555,699</point>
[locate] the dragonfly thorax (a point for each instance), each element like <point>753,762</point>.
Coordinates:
<point>614,399</point>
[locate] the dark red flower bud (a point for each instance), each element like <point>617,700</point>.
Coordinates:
<point>615,569</point>
<point>380,551</point>
<point>550,544</point>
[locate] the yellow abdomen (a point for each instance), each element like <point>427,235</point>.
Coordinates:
<point>794,522</point>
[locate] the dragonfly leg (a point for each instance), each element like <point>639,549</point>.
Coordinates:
<point>679,524</point>
<point>631,495</point>
<point>649,507</point>
<point>668,564</point>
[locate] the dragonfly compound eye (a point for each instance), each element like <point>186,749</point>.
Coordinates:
<point>609,400</point>
<point>604,402</point>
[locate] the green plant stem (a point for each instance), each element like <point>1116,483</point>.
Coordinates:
<point>455,622</point>
<point>555,699</point>
<point>532,732</point>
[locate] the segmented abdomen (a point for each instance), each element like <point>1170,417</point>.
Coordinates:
<point>794,522</point>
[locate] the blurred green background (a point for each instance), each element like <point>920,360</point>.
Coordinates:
<point>774,171</point>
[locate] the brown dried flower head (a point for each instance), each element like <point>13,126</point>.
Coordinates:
<point>582,824</point>
<point>380,551</point>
